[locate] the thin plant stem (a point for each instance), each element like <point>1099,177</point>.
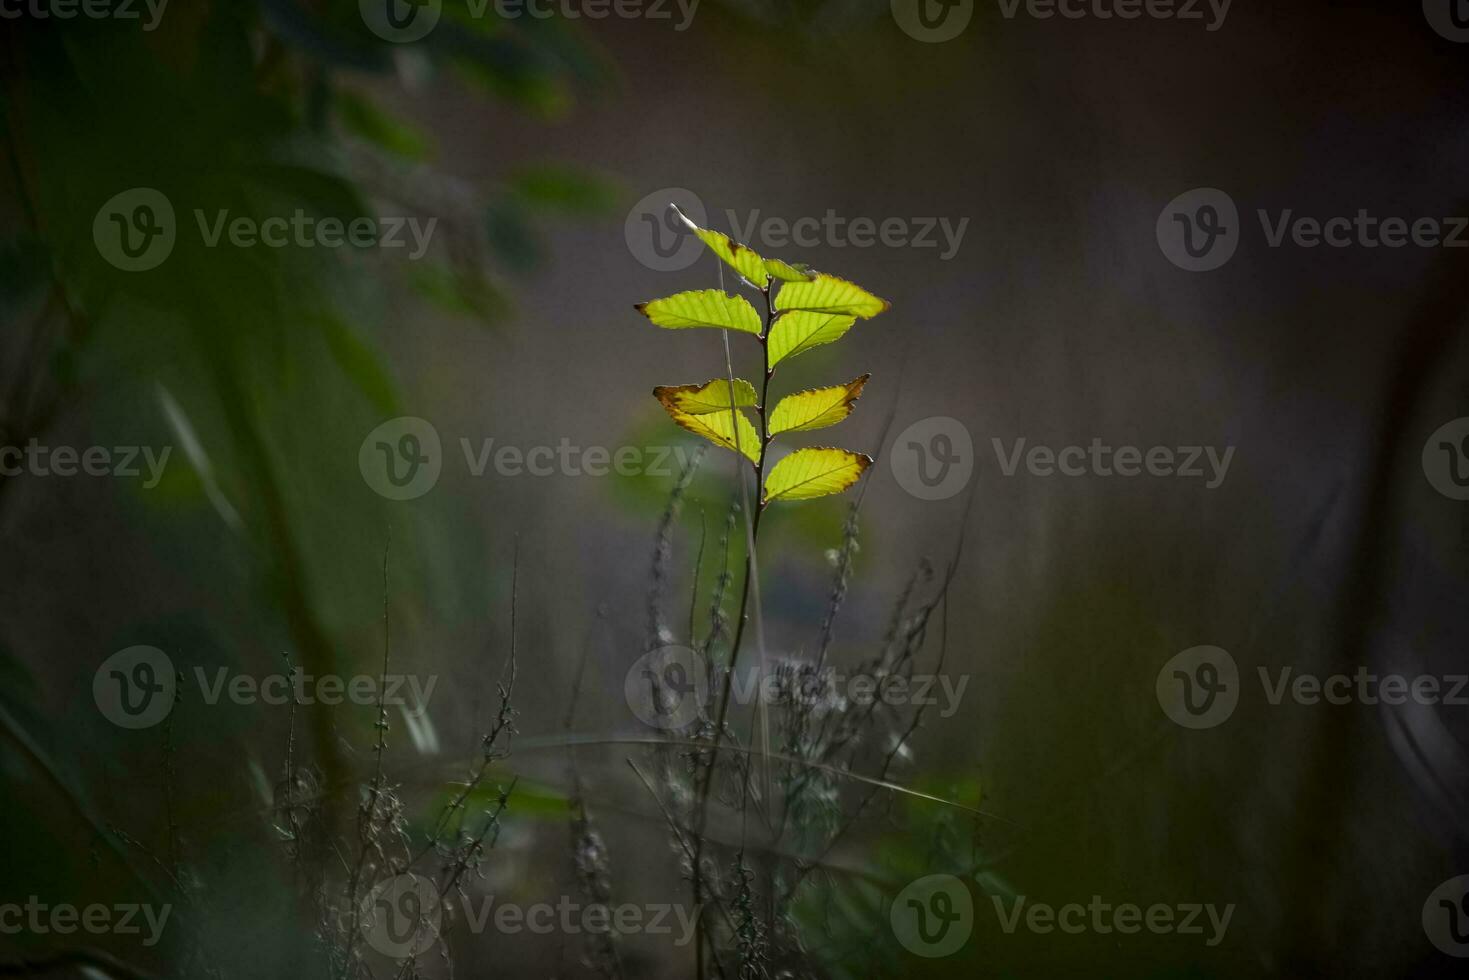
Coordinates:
<point>750,587</point>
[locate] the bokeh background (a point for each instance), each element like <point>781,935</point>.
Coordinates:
<point>1057,319</point>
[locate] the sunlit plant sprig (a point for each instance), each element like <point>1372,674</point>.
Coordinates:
<point>803,309</point>
<point>806,310</point>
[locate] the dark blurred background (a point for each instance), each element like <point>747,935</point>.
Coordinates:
<point>540,145</point>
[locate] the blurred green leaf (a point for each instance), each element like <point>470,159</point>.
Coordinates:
<point>361,364</point>
<point>366,119</point>
<point>454,292</point>
<point>25,269</point>
<point>512,237</point>
<point>566,189</point>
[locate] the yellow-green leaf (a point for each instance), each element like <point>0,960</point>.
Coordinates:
<point>711,396</point>
<point>814,472</point>
<point>786,272</point>
<point>816,408</point>
<point>741,258</point>
<point>720,428</point>
<point>828,294</point>
<point>702,308</point>
<point>797,332</point>
<point>744,259</point>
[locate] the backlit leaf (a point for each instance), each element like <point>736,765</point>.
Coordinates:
<point>702,308</point>
<point>741,258</point>
<point>828,294</point>
<point>711,396</point>
<point>797,332</point>
<point>786,272</point>
<point>816,408</point>
<point>815,472</point>
<point>719,428</point>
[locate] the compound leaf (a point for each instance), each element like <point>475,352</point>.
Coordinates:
<point>816,408</point>
<point>711,396</point>
<point>815,472</point>
<point>798,331</point>
<point>702,308</point>
<point>828,294</point>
